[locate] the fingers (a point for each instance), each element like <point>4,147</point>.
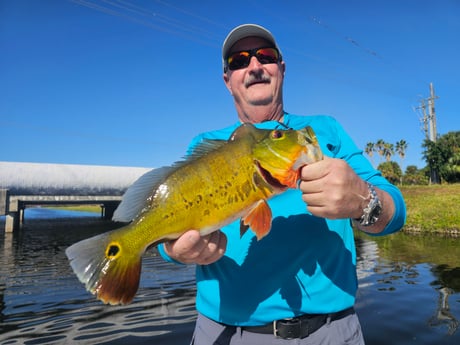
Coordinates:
<point>215,248</point>
<point>312,182</point>
<point>315,171</point>
<point>330,188</point>
<point>192,248</point>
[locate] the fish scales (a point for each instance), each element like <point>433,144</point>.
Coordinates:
<point>178,204</point>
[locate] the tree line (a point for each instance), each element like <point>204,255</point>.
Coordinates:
<point>442,158</point>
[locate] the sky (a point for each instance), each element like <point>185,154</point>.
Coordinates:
<point>131,82</point>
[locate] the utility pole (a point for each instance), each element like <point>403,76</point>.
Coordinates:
<point>429,127</point>
<point>432,114</point>
<point>424,119</point>
<point>429,120</point>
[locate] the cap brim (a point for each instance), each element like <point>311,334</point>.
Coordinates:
<point>243,31</point>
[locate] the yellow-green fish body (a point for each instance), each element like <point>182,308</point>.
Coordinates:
<point>221,182</point>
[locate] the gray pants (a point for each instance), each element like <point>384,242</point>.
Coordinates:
<point>346,331</point>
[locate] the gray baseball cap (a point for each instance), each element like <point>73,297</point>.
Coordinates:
<point>243,31</point>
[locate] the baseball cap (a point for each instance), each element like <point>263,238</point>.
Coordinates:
<point>243,31</point>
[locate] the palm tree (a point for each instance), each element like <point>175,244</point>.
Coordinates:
<point>379,145</point>
<point>388,151</point>
<point>370,148</point>
<point>401,147</point>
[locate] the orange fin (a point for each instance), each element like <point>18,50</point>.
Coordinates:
<point>107,270</point>
<point>259,219</point>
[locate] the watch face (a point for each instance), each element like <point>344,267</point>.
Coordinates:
<point>376,211</point>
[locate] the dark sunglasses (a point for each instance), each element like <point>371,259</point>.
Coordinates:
<point>241,59</point>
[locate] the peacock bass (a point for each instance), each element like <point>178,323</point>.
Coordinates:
<point>222,181</point>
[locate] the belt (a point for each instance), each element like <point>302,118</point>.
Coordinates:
<point>300,326</point>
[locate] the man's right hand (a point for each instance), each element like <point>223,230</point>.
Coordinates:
<point>192,248</point>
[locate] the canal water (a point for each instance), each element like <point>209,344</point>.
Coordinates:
<point>409,290</point>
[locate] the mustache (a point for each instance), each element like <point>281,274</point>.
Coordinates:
<point>253,78</point>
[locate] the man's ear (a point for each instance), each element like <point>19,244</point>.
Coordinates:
<point>227,83</point>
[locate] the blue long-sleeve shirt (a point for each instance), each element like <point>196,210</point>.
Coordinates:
<point>306,264</point>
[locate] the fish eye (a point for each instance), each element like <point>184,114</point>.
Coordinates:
<point>277,134</point>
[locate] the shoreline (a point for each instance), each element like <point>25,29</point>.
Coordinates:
<point>431,209</point>
<point>417,231</point>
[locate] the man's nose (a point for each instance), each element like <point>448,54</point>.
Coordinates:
<point>254,63</point>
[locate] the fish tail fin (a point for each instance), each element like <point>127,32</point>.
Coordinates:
<point>108,270</point>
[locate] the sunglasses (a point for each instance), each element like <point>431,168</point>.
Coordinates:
<point>242,58</point>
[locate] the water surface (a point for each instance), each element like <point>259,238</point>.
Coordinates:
<point>409,290</point>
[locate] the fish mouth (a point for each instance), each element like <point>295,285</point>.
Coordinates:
<point>268,177</point>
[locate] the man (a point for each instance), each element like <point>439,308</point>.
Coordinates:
<point>300,281</point>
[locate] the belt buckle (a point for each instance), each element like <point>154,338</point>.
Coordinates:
<point>291,322</point>
<point>275,329</point>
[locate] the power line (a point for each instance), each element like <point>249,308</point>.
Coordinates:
<point>346,38</point>
<point>153,19</point>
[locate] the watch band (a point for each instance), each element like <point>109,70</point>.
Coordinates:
<point>373,210</point>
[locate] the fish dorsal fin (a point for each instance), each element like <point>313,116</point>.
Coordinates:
<point>134,199</point>
<point>203,148</point>
<point>136,195</point>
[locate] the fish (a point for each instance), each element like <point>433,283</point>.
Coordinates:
<point>220,182</point>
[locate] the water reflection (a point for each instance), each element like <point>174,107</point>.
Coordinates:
<point>412,290</point>
<point>409,291</point>
<point>42,301</point>
<point>447,284</point>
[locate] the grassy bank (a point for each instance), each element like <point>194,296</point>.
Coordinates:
<point>81,208</point>
<point>433,209</point>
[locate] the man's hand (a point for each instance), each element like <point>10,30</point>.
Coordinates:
<point>333,190</point>
<point>192,248</point>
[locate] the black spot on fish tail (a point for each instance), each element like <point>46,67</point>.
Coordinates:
<point>113,250</point>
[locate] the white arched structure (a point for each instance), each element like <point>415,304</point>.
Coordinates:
<point>24,184</point>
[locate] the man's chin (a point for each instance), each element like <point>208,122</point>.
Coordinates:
<point>259,97</point>
<point>261,101</point>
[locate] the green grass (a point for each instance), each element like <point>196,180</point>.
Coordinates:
<point>82,208</point>
<point>433,209</point>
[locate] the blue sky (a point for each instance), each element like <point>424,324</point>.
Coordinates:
<point>131,82</point>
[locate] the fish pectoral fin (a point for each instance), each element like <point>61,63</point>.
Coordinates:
<point>259,219</point>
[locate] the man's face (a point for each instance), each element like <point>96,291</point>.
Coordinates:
<point>257,84</point>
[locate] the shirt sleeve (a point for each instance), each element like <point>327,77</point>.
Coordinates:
<point>346,149</point>
<point>166,257</point>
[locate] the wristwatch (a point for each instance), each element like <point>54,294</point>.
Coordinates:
<point>373,210</point>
